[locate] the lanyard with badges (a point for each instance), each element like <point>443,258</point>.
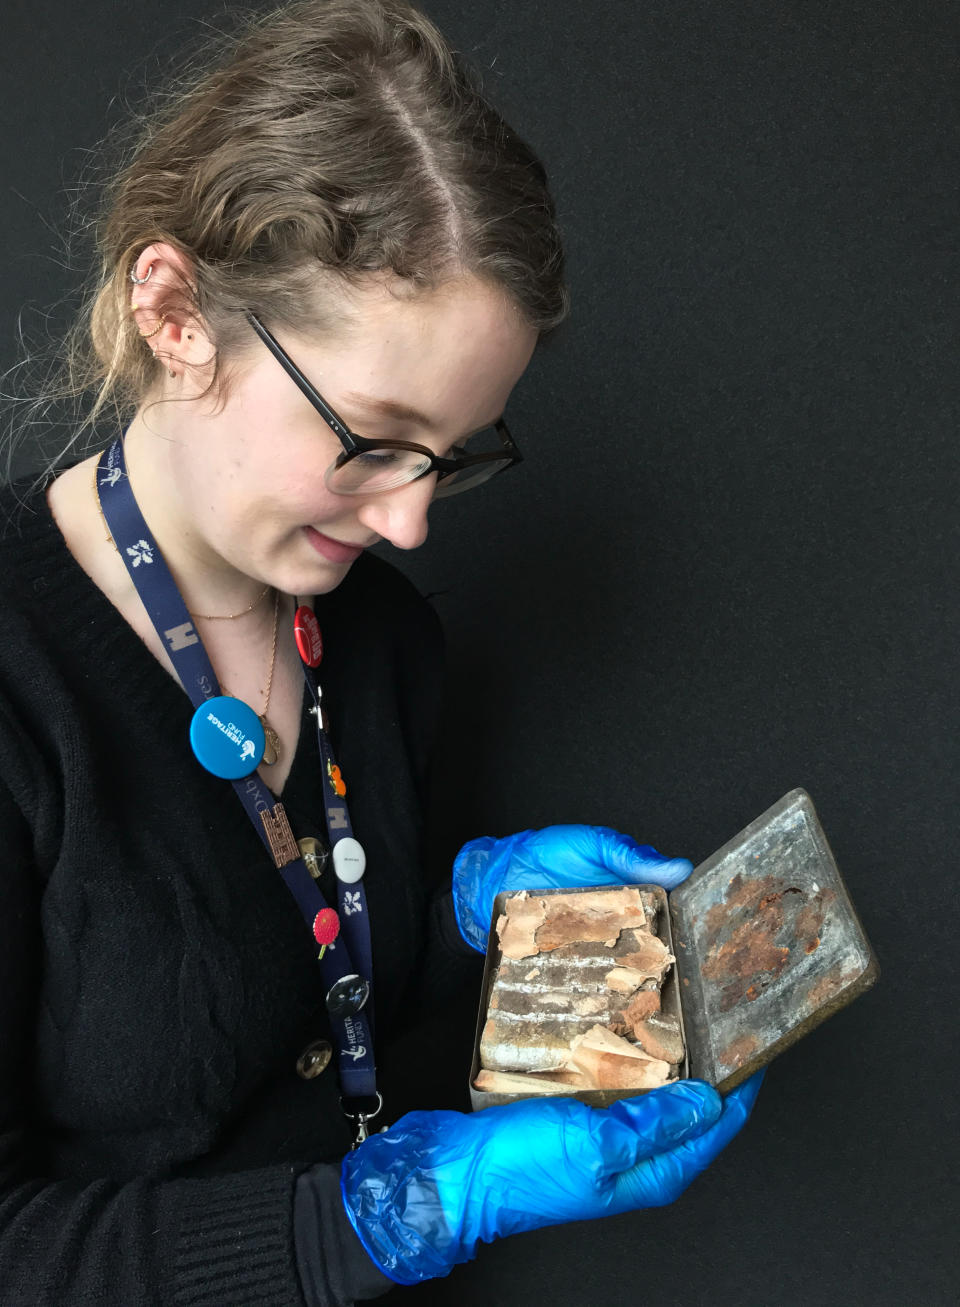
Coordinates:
<point>228,739</point>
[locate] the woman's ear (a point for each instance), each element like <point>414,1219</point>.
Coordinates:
<point>164,307</point>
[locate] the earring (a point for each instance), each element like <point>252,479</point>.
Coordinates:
<point>145,335</point>
<point>140,280</point>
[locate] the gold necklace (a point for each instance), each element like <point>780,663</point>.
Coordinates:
<point>228,617</point>
<point>204,617</point>
<point>271,751</point>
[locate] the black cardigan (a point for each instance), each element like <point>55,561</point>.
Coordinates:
<point>157,982</point>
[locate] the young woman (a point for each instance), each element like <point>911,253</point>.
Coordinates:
<point>217,709</point>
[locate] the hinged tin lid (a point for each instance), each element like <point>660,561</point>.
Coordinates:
<point>767,941</point>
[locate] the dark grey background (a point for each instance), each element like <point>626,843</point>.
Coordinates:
<point>727,568</point>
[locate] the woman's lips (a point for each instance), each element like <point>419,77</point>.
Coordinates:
<point>335,551</point>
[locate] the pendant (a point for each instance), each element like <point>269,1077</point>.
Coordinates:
<point>271,748</point>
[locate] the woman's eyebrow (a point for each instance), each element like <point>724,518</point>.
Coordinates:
<point>392,408</point>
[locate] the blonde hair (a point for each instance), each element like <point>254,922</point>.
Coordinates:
<point>330,139</point>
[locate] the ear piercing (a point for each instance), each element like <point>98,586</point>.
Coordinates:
<point>147,335</point>
<point>158,328</point>
<point>139,281</point>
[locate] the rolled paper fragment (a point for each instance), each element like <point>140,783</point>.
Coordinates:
<point>608,1071</point>
<point>625,980</point>
<point>514,1046</point>
<point>660,1037</point>
<point>605,1041</point>
<point>610,1062</point>
<point>515,1082</point>
<point>644,1004</point>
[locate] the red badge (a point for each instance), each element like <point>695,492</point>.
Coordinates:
<point>306,632</point>
<point>326,926</point>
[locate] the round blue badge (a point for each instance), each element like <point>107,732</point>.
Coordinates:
<point>227,737</point>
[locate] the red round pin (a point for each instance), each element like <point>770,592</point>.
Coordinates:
<point>306,632</point>
<point>326,926</point>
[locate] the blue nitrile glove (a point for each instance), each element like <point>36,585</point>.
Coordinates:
<point>423,1195</point>
<point>557,857</point>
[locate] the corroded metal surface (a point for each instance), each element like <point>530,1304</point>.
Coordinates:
<point>767,943</point>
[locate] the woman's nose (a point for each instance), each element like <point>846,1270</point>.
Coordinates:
<point>400,515</point>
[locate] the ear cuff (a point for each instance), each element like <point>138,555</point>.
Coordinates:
<point>158,328</point>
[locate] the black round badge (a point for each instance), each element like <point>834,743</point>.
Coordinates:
<point>348,996</point>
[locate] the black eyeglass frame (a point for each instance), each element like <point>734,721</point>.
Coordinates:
<point>354,444</point>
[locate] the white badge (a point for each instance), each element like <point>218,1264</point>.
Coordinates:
<point>349,860</point>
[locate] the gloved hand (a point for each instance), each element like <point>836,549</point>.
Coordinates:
<point>557,857</point>
<point>423,1195</point>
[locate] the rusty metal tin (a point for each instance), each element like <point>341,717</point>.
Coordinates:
<point>767,943</point>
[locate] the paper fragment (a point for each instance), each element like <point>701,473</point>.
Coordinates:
<point>610,1062</point>
<point>660,1037</point>
<point>508,1082</point>
<point>643,1004</point>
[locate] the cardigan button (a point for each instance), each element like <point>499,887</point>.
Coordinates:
<point>314,1059</point>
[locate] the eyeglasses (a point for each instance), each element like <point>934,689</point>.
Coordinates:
<point>369,467</point>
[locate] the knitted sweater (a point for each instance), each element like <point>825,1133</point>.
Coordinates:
<point>157,981</point>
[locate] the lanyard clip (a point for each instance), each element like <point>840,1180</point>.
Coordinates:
<point>359,1121</point>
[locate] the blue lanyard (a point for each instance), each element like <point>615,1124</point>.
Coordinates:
<point>164,604</point>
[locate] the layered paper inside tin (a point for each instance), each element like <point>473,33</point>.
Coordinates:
<point>550,969</point>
